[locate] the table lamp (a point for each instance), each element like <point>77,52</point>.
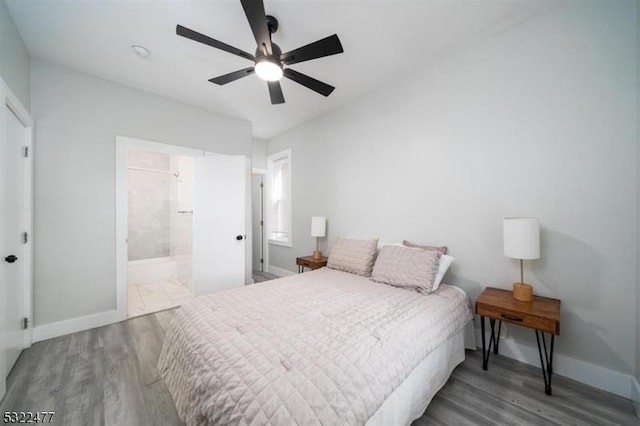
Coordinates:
<point>522,241</point>
<point>318,229</point>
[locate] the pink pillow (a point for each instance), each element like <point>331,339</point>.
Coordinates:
<point>441,250</point>
<point>406,267</point>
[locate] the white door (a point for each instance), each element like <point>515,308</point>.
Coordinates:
<point>219,209</point>
<point>12,250</point>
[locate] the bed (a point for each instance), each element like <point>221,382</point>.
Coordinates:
<point>323,347</point>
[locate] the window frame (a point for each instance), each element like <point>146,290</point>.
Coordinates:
<point>271,161</point>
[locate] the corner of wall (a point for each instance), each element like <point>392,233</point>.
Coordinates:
<point>635,394</point>
<point>635,391</point>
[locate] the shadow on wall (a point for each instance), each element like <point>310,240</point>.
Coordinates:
<point>568,267</point>
<point>588,346</point>
<point>572,271</point>
<point>473,288</point>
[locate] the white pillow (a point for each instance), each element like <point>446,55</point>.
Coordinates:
<point>380,244</point>
<point>443,266</point>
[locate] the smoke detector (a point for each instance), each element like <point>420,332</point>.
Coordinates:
<point>141,51</point>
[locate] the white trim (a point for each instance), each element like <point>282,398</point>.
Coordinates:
<point>28,247</point>
<point>635,394</point>
<point>248,216</point>
<point>280,242</point>
<point>123,144</point>
<point>121,229</point>
<point>14,104</point>
<point>563,365</point>
<point>279,271</point>
<point>73,325</point>
<point>257,171</point>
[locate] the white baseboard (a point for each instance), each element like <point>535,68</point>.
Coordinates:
<point>580,371</point>
<point>279,271</point>
<point>60,328</point>
<point>635,394</point>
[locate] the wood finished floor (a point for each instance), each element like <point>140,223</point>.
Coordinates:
<point>108,376</point>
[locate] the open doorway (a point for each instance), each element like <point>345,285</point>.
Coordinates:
<point>257,220</point>
<point>259,246</point>
<point>217,210</point>
<point>159,234</point>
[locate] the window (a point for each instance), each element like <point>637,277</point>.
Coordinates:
<point>279,201</point>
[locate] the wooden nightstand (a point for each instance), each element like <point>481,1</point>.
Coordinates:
<point>542,315</point>
<point>310,262</point>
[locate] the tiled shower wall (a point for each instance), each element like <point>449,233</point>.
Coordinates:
<point>149,205</point>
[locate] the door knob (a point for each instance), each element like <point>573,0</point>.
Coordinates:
<point>239,238</point>
<point>11,258</point>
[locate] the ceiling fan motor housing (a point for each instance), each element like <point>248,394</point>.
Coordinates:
<point>276,53</point>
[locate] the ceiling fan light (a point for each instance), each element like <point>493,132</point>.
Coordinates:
<point>268,70</point>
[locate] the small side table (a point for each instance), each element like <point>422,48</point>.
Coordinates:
<point>310,262</point>
<point>542,315</point>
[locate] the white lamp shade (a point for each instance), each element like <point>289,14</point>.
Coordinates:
<point>318,226</point>
<point>522,238</point>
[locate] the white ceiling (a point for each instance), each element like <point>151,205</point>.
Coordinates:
<point>383,41</point>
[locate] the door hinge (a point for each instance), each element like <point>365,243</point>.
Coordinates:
<point>25,237</point>
<point>261,260</point>
<point>25,323</point>
<point>262,223</point>
<point>261,185</point>
<point>25,151</point>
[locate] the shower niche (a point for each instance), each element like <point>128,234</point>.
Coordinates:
<point>160,206</point>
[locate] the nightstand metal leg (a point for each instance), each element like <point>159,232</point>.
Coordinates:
<point>550,367</point>
<point>493,343</point>
<point>493,340</point>
<point>496,341</point>
<point>546,361</point>
<point>485,355</point>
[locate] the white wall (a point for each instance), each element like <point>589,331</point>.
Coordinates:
<point>14,58</point>
<point>259,153</point>
<point>77,119</point>
<point>539,121</point>
<point>637,383</point>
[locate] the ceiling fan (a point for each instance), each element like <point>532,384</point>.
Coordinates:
<point>270,64</point>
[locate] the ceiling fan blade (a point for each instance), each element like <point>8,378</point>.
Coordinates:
<point>254,10</point>
<point>275,91</point>
<point>232,76</point>
<point>309,82</point>
<point>201,38</point>
<point>326,47</point>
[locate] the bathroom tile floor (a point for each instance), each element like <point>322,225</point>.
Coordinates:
<point>157,296</point>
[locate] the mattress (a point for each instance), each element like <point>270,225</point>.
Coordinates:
<point>409,401</point>
<point>324,347</point>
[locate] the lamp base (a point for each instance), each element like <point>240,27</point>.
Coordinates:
<point>523,292</point>
<point>317,254</point>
